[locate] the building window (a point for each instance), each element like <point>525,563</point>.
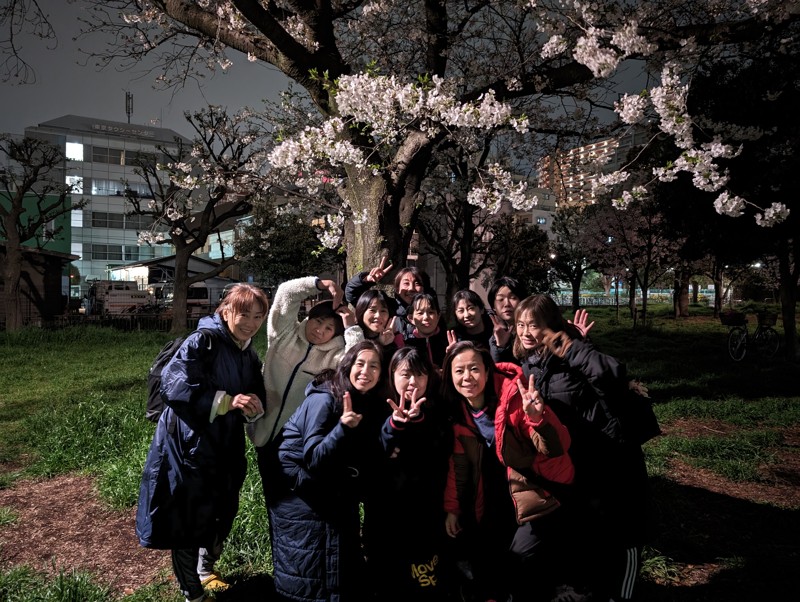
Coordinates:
<point>111,156</point>
<point>76,220</point>
<point>541,220</point>
<point>138,222</point>
<point>102,252</point>
<point>76,184</point>
<point>101,219</point>
<point>74,151</point>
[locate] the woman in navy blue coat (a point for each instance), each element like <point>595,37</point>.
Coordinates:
<point>189,495</point>
<point>326,453</point>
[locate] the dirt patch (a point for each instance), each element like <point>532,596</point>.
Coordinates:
<point>726,540</point>
<point>61,524</point>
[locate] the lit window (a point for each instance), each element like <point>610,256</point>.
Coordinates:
<point>74,151</point>
<point>75,183</point>
<point>541,220</point>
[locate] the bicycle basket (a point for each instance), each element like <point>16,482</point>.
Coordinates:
<point>733,318</point>
<point>767,318</point>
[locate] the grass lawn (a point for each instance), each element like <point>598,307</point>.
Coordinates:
<point>72,401</point>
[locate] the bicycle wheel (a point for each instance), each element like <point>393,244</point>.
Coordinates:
<point>767,342</point>
<point>737,343</point>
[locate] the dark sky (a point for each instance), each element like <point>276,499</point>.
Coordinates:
<point>64,87</point>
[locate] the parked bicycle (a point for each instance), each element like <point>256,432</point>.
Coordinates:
<point>765,339</point>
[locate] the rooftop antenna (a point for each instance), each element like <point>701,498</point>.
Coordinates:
<point>128,104</point>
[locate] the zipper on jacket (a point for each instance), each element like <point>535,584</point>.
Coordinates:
<point>286,391</point>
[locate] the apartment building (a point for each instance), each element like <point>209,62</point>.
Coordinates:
<point>569,174</point>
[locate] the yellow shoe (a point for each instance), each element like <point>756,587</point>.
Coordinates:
<point>214,584</point>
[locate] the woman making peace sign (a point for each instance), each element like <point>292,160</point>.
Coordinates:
<point>326,452</point>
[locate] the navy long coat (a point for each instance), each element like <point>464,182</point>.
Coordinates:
<point>195,467</point>
<point>320,473</point>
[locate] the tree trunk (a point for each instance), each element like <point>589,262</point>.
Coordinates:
<point>789,272</point>
<point>716,277</point>
<point>180,291</point>
<point>366,195</point>
<point>12,272</point>
<point>682,293</point>
<point>576,294</point>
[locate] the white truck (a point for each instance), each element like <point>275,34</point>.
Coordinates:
<point>115,297</point>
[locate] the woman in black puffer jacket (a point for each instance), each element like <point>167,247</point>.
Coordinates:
<point>579,383</point>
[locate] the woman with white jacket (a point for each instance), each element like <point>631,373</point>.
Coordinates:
<point>297,350</point>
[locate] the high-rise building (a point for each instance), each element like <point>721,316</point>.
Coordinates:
<point>569,173</point>
<point>100,160</point>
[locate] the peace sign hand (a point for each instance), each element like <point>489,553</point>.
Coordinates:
<point>377,273</point>
<point>408,410</point>
<point>532,402</point>
<point>452,339</point>
<point>349,417</point>
<point>387,336</point>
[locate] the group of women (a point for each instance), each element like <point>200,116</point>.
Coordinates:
<point>400,459</point>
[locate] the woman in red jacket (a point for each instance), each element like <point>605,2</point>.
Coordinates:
<point>480,513</point>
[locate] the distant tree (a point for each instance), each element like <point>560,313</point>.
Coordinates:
<point>521,251</point>
<point>632,239</point>
<point>276,248</point>
<point>199,191</point>
<point>569,257</point>
<point>33,192</point>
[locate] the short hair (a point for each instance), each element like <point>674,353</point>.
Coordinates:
<point>323,310</point>
<point>512,283</point>
<point>420,275</point>
<point>470,297</point>
<point>419,363</point>
<point>242,297</point>
<point>428,298</point>
<point>451,397</point>
<point>364,301</point>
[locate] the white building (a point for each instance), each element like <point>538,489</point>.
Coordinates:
<point>100,163</point>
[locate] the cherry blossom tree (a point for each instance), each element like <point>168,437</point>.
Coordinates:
<point>198,190</point>
<point>633,238</point>
<point>394,83</point>
<point>32,193</point>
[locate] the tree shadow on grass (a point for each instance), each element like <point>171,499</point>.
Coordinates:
<point>752,550</point>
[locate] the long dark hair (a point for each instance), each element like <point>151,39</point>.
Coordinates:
<point>452,398</point>
<point>339,379</point>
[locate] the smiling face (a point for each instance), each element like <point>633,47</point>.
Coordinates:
<point>469,316</point>
<point>376,317</point>
<point>243,325</point>
<point>408,287</point>
<point>425,318</point>
<point>366,371</point>
<point>405,380</point>
<point>320,330</point>
<point>469,377</point>
<point>528,330</point>
<point>505,301</point>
